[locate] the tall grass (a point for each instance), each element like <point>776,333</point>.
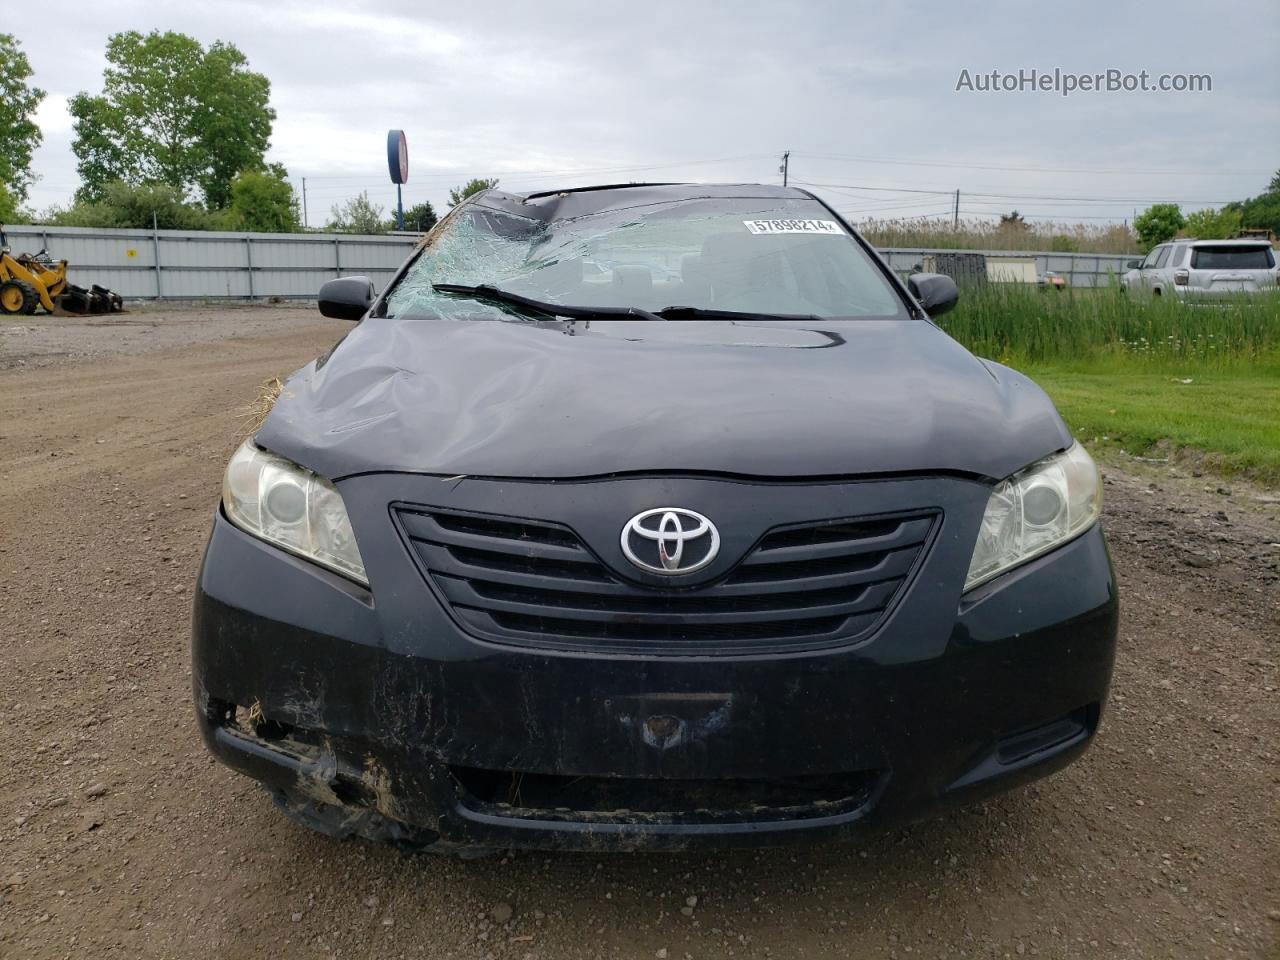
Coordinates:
<point>1084,328</point>
<point>990,235</point>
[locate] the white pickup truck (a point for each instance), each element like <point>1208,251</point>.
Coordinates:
<point>1204,270</point>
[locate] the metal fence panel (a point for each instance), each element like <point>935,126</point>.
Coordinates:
<point>1080,269</point>
<point>212,264</point>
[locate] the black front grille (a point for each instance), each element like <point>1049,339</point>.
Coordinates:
<point>535,583</point>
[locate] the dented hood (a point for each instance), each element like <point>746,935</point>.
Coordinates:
<point>579,399</point>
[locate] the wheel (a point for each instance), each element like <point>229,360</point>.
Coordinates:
<point>17,297</point>
<point>33,299</point>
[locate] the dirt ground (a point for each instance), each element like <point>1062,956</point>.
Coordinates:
<point>41,341</point>
<point>119,836</point>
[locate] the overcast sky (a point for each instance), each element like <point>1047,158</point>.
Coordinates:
<point>557,93</point>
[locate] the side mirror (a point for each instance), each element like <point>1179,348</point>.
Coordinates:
<point>936,292</point>
<point>1133,264</point>
<point>347,298</point>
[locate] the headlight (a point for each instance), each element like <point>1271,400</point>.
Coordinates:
<point>291,507</point>
<point>1034,511</point>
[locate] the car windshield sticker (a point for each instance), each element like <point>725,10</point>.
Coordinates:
<point>793,226</point>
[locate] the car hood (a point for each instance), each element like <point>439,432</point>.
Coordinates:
<point>578,399</point>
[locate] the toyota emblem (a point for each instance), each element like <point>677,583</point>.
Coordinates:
<point>670,541</point>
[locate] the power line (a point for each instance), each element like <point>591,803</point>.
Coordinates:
<point>855,186</point>
<point>1065,203</point>
<point>1038,169</point>
<point>919,216</point>
<point>1013,196</point>
<point>1117,200</point>
<point>887,207</point>
<point>524,174</point>
<point>1046,216</point>
<point>886,201</point>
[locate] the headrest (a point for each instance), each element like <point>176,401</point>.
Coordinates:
<point>721,247</point>
<point>634,282</point>
<point>691,268</point>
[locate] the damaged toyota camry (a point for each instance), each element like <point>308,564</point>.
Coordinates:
<point>650,517</point>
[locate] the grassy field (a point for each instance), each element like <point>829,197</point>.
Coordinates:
<point>1019,323</point>
<point>1200,385</point>
<point>1225,422</point>
<point>971,234</point>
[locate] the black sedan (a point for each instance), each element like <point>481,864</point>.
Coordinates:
<point>646,517</point>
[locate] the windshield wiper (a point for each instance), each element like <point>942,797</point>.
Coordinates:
<point>486,292</point>
<point>702,313</point>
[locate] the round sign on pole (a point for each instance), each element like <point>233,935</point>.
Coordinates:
<point>397,156</point>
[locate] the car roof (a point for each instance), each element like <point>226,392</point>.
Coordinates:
<point>1233,242</point>
<point>581,201</point>
<point>678,190</point>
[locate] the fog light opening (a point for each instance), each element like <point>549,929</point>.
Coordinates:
<point>263,726</point>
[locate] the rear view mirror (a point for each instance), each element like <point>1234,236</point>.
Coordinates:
<point>347,298</point>
<point>936,292</point>
<point>1132,264</point>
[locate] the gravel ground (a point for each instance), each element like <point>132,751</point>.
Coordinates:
<point>42,340</point>
<point>119,836</point>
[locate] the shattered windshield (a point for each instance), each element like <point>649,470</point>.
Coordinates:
<point>758,256</point>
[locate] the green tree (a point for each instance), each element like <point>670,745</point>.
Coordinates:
<point>8,207</point>
<point>473,186</point>
<point>19,135</point>
<point>357,215</point>
<point>263,200</point>
<point>134,206</point>
<point>1263,211</point>
<point>421,216</point>
<point>101,159</point>
<point>174,112</point>
<point>1158,223</point>
<point>1212,224</point>
<point>1013,221</point>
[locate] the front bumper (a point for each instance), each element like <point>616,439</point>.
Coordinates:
<point>375,714</point>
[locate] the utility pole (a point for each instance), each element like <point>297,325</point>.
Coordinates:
<point>786,160</point>
<point>155,253</point>
<point>955,215</point>
<point>304,204</point>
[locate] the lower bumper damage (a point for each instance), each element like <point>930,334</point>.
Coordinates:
<point>363,722</point>
<point>343,790</point>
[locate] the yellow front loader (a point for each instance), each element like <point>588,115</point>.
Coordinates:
<point>28,283</point>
